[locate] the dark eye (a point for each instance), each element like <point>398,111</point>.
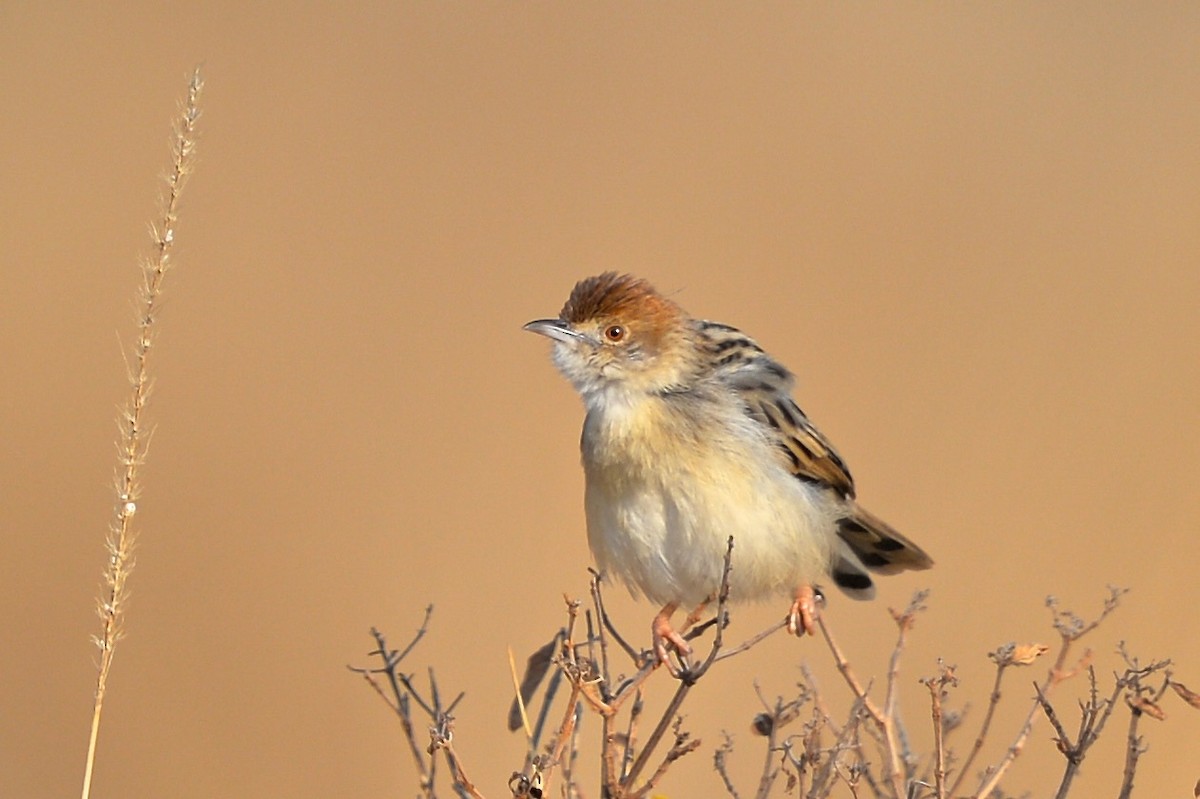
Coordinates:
<point>614,332</point>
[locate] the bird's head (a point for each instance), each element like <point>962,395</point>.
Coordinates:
<point>616,335</point>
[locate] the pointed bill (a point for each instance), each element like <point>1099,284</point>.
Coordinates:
<point>556,329</point>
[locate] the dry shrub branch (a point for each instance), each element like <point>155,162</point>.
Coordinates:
<point>589,673</point>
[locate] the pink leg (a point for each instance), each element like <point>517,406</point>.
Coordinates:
<point>664,635</point>
<point>803,616</point>
<point>695,615</point>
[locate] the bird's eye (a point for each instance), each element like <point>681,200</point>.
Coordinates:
<point>614,333</point>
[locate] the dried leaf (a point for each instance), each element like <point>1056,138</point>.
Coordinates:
<point>1144,705</point>
<point>535,670</point>
<point>1025,654</point>
<point>1192,698</point>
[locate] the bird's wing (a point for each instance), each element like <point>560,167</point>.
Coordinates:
<point>765,387</point>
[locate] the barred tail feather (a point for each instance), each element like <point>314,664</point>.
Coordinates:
<point>850,575</point>
<point>877,546</point>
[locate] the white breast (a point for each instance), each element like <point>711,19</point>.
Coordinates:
<point>661,502</point>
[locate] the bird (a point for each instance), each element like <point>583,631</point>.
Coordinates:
<point>690,437</point>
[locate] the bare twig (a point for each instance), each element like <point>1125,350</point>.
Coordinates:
<point>1094,714</point>
<point>899,752</point>
<point>831,769</point>
<point>404,696</point>
<point>630,746</point>
<point>720,757</point>
<point>1070,628</point>
<point>937,692</point>
<point>847,672</point>
<point>769,723</point>
<point>683,745</point>
<point>811,767</point>
<point>819,704</point>
<point>1142,701</point>
<point>566,729</point>
<point>660,729</point>
<point>400,703</point>
<point>606,622</point>
<point>417,636</point>
<point>572,788</point>
<point>752,641</point>
<point>885,719</point>
<point>1002,662</point>
<point>632,685</point>
<point>441,737</point>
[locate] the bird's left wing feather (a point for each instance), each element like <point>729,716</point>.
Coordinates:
<point>765,386</point>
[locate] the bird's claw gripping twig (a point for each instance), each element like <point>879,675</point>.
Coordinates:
<point>802,619</point>
<point>667,638</point>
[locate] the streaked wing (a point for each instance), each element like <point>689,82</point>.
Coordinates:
<point>868,543</point>
<point>765,385</point>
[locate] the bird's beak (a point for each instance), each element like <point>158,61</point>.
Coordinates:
<point>556,329</point>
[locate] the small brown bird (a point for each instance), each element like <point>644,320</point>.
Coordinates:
<point>691,436</point>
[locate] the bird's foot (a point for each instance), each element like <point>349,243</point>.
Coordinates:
<point>666,638</point>
<point>802,619</point>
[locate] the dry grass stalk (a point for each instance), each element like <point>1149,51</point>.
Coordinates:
<point>134,435</point>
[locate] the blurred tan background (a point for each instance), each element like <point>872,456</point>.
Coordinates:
<point>971,230</point>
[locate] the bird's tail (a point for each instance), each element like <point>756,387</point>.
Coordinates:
<point>869,544</point>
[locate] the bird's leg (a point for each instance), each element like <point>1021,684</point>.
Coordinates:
<point>695,615</point>
<point>803,616</point>
<point>664,635</point>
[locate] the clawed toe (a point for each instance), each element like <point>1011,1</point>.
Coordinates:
<point>802,619</point>
<point>664,644</point>
<point>666,639</point>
